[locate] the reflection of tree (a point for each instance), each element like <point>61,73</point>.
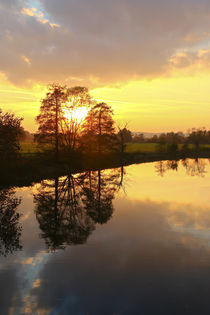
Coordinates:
<point>10,229</point>
<point>98,193</point>
<point>172,165</point>
<point>60,214</point>
<point>195,167</point>
<point>68,208</point>
<point>161,168</point>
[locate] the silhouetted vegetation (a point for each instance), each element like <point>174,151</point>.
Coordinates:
<point>98,129</point>
<point>10,134</point>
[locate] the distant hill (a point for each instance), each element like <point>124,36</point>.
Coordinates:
<point>148,135</point>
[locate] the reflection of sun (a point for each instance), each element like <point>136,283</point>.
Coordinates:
<point>77,114</point>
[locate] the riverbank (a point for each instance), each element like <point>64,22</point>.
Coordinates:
<point>28,170</point>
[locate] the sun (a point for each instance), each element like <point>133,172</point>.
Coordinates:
<point>76,115</point>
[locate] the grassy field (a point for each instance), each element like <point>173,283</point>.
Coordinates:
<point>28,148</point>
<point>154,147</point>
<point>141,147</point>
<point>31,148</point>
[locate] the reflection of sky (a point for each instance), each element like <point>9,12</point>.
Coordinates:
<point>173,186</point>
<point>152,257</point>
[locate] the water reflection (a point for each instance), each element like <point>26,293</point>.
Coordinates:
<point>194,167</point>
<point>10,228</point>
<point>144,252</point>
<point>68,208</point>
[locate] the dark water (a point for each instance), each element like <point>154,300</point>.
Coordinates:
<point>133,240</point>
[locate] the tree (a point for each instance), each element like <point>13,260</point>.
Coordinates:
<point>50,114</point>
<point>10,131</point>
<point>57,121</point>
<point>98,128</point>
<point>197,136</point>
<point>78,99</point>
<point>124,135</point>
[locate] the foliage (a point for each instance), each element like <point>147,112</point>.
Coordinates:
<point>124,135</point>
<point>57,124</point>
<point>10,131</point>
<point>70,126</point>
<point>98,129</point>
<point>50,114</point>
<point>198,136</point>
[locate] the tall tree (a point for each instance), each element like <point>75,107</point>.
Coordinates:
<point>58,120</point>
<point>50,114</point>
<point>10,131</point>
<point>124,135</point>
<point>98,127</point>
<point>73,112</point>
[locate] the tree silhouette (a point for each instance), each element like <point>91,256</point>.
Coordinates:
<point>10,229</point>
<point>98,128</point>
<point>50,114</point>
<point>57,123</point>
<point>70,125</point>
<point>10,132</point>
<point>197,136</point>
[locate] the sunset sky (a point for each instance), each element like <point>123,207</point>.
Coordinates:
<point>149,59</point>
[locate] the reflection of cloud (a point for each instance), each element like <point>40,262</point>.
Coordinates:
<point>139,258</point>
<point>99,41</point>
<point>37,283</point>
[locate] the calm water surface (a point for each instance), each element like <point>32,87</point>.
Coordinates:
<point>133,240</point>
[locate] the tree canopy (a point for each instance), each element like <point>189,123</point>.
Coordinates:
<point>10,132</point>
<point>98,128</point>
<point>57,121</point>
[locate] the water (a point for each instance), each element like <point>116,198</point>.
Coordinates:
<point>133,240</point>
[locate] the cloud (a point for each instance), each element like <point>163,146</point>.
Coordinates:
<point>39,16</point>
<point>99,41</point>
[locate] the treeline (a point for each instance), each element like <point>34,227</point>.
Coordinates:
<point>195,136</point>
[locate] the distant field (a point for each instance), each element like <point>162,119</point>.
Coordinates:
<point>31,148</point>
<point>153,147</point>
<point>141,147</point>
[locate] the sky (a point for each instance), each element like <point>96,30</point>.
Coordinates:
<point>148,59</point>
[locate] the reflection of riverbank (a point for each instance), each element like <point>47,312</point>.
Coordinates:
<point>29,170</point>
